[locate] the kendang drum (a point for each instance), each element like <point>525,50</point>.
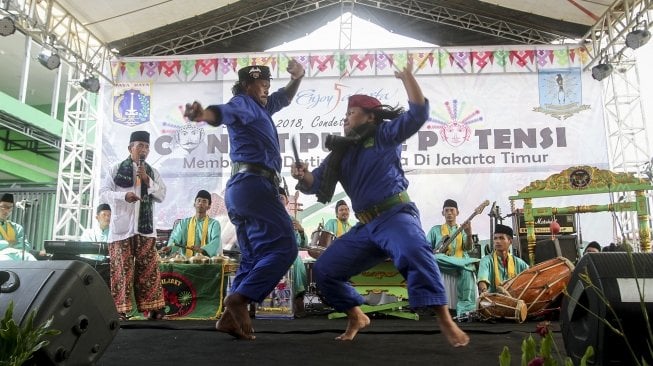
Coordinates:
<point>320,240</point>
<point>541,284</point>
<point>500,306</point>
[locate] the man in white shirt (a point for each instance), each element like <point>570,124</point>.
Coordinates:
<point>131,188</point>
<point>99,233</point>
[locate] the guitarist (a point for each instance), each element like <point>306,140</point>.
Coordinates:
<point>460,284</point>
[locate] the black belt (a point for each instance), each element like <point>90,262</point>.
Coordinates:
<point>375,211</point>
<point>273,176</point>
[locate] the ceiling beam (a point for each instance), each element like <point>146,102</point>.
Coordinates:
<point>448,15</point>
<point>422,10</point>
<point>13,141</point>
<point>28,166</point>
<point>232,27</point>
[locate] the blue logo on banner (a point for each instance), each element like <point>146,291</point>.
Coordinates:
<point>560,92</point>
<point>131,108</point>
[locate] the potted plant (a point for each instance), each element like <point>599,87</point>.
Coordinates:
<point>18,343</point>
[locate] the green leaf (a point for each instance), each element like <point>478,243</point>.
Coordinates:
<point>528,350</point>
<point>546,346</point>
<point>504,358</point>
<point>18,343</point>
<point>589,352</point>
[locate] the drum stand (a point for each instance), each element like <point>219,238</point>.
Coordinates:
<point>313,303</point>
<point>470,316</point>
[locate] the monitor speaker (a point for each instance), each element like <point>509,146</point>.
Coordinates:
<point>614,277</point>
<point>77,299</point>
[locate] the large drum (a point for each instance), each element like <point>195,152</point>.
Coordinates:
<point>320,240</point>
<point>499,306</point>
<point>541,284</point>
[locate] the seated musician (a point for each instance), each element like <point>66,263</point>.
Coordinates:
<point>299,276</point>
<point>592,247</point>
<point>13,245</point>
<point>500,265</point>
<point>462,293</point>
<point>621,247</point>
<point>340,224</point>
<point>99,233</point>
<point>198,233</point>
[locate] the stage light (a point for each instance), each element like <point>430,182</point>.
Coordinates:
<point>637,38</point>
<point>91,84</point>
<point>7,26</point>
<point>601,71</point>
<point>49,59</point>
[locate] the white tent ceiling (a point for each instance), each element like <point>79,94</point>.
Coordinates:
<point>118,19</point>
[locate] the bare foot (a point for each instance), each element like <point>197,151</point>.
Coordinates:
<point>356,320</point>
<point>241,313</point>
<point>229,324</point>
<point>455,336</point>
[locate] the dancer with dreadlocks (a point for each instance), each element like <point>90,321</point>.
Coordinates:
<point>367,162</point>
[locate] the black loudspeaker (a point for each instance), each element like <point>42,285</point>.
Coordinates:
<point>74,295</point>
<point>612,276</point>
<point>101,266</point>
<point>545,248</point>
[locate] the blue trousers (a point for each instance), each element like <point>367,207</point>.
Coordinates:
<point>396,234</point>
<point>264,232</point>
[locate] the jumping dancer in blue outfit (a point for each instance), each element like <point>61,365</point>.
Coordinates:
<point>265,234</point>
<point>367,162</point>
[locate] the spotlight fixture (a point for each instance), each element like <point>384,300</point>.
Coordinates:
<point>637,38</point>
<point>7,26</point>
<point>601,71</point>
<point>91,84</point>
<point>49,59</point>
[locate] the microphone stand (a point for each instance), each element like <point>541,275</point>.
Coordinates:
<point>24,207</point>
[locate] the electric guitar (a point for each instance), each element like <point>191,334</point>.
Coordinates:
<point>444,243</point>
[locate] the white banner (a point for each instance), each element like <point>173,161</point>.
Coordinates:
<point>489,135</point>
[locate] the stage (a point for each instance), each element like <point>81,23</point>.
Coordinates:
<point>310,341</point>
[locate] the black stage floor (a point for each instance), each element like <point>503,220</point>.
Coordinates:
<point>310,341</point>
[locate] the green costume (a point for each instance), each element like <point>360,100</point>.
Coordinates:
<point>13,252</point>
<point>332,227</point>
<point>179,236</point>
<point>299,277</point>
<point>463,270</point>
<point>487,274</point>
<point>19,234</point>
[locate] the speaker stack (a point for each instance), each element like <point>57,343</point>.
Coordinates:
<point>547,248</point>
<point>74,295</point>
<point>614,277</point>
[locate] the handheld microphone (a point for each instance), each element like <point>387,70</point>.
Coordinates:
<point>141,161</point>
